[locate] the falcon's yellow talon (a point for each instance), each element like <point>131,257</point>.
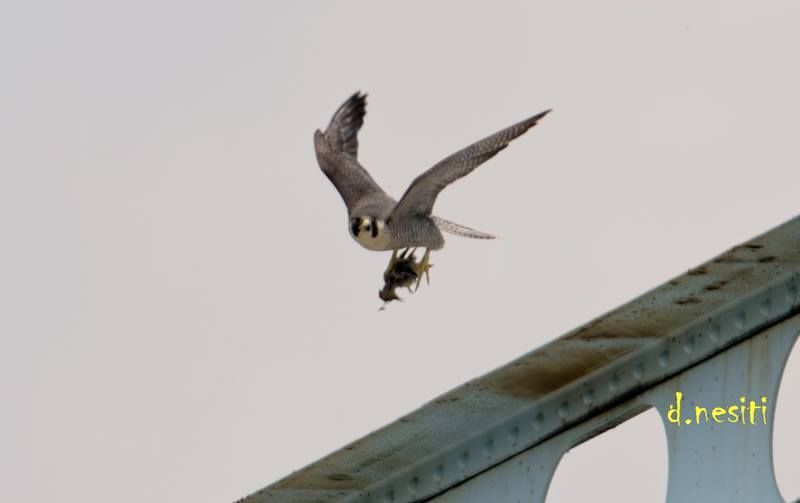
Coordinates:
<point>392,262</point>
<point>423,268</point>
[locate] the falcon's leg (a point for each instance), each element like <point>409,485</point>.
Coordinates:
<point>423,267</point>
<point>392,262</point>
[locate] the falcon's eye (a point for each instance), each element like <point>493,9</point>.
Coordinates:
<point>354,226</point>
<point>374,230</point>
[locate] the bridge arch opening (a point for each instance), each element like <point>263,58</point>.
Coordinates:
<point>786,431</point>
<point>625,464</point>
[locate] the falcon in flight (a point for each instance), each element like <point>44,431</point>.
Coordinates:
<point>378,222</point>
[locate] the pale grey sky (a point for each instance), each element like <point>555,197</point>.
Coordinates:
<point>185,315</point>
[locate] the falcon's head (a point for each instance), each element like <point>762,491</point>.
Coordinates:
<point>369,231</point>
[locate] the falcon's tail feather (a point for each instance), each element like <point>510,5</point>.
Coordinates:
<point>459,230</point>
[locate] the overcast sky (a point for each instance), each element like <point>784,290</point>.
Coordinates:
<point>185,316</point>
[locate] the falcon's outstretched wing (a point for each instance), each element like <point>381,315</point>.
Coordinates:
<point>337,151</point>
<point>421,194</point>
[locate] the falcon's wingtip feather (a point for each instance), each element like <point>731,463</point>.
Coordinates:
<point>541,115</point>
<point>342,132</point>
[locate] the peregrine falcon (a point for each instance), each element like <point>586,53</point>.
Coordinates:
<point>378,222</point>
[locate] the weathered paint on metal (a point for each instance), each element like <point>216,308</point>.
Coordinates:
<point>576,377</point>
<point>709,462</point>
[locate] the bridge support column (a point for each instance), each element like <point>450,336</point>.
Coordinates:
<point>728,459</point>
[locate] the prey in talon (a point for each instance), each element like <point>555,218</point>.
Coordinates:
<point>380,223</point>
<point>401,273</point>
